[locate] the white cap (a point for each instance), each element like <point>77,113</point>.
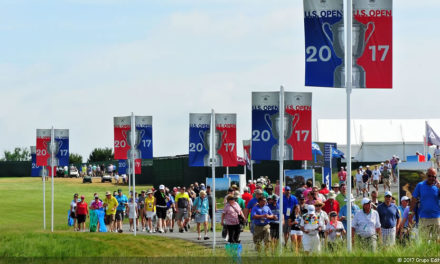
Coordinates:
<point>311,209</point>
<point>161,187</point>
<point>404,198</point>
<point>388,193</point>
<point>368,166</point>
<point>352,198</point>
<point>360,167</point>
<point>365,201</point>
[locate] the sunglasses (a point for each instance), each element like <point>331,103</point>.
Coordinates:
<point>431,176</point>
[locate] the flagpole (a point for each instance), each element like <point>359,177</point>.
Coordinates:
<point>52,147</point>
<point>281,161</point>
<point>213,161</point>
<point>43,174</point>
<point>133,134</point>
<point>348,82</point>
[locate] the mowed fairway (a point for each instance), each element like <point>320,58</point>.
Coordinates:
<point>21,226</point>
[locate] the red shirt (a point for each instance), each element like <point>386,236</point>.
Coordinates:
<point>252,188</point>
<point>82,209</point>
<point>331,205</point>
<point>342,175</point>
<point>246,197</point>
<point>324,191</point>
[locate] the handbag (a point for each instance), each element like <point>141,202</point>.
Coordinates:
<point>241,220</point>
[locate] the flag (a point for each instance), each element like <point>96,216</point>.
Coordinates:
<point>241,161</point>
<point>431,137</point>
<point>337,153</point>
<point>315,149</point>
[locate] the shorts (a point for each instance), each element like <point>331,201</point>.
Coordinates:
<point>286,228</point>
<point>274,230</point>
<point>150,214</point>
<point>311,243</point>
<point>161,212</point>
<point>81,218</point>
<point>261,233</point>
<point>375,182</point>
<point>169,214</point>
<point>201,218</point>
<point>360,185</point>
<point>387,182</point>
<point>109,219</point>
<point>72,215</point>
<point>120,215</point>
<point>296,232</point>
<point>430,227</point>
<point>182,213</point>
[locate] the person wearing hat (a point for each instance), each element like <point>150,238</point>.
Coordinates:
<point>82,211</point>
<point>95,205</point>
<point>182,209</point>
<point>335,188</point>
<point>331,205</point>
<point>141,208</point>
<point>366,226</point>
<point>73,211</point>
<point>272,203</point>
<point>132,211</point>
<point>343,211</point>
<point>120,211</point>
<point>110,205</point>
<point>246,196</point>
<point>258,194</point>
<point>428,193</point>
<point>334,231</point>
<point>311,226</point>
<point>389,217</point>
<point>251,186</point>
<point>160,202</point>
<point>342,175</point>
<point>404,208</point>
<point>239,200</point>
<point>323,218</point>
<point>150,210</point>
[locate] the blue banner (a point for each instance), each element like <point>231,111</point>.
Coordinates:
<point>62,146</point>
<point>122,167</point>
<point>265,107</point>
<point>36,171</point>
<point>199,139</point>
<point>144,129</point>
<point>324,47</point>
<point>328,163</point>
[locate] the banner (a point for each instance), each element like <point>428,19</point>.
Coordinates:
<point>122,167</point>
<point>61,151</point>
<point>199,139</point>
<point>299,117</point>
<point>226,139</point>
<point>247,153</point>
<point>137,166</point>
<point>122,126</point>
<point>328,163</point>
<point>42,147</point>
<point>297,126</point>
<point>36,170</point>
<point>144,137</point>
<point>373,43</point>
<point>325,47</point>
<point>324,43</point>
<point>431,137</point>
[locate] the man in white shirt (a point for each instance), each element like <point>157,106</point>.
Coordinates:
<point>376,178</point>
<point>366,225</point>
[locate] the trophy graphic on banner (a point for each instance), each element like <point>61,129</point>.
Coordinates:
<point>207,144</point>
<point>55,147</point>
<point>274,125</point>
<point>358,43</point>
<point>133,143</point>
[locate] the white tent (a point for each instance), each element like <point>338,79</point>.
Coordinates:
<point>377,139</point>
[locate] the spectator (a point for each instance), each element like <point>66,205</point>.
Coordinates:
<point>246,196</point>
<point>302,204</point>
<point>309,184</point>
<point>334,231</point>
<point>295,230</point>
<point>201,209</point>
<point>341,196</point>
<point>272,203</point>
<point>277,188</point>
<point>120,211</point>
<point>343,211</point>
<point>182,209</point>
<point>110,205</point>
<point>317,195</point>
<point>211,208</point>
<point>95,205</point>
<point>359,182</point>
<point>141,208</point>
<point>160,202</point>
<point>289,202</point>
<point>323,219</point>
<point>239,200</point>
<point>335,188</point>
<point>311,226</point>
<point>389,219</point>
<point>230,219</point>
<point>324,191</point>
<point>331,204</point>
<point>376,178</point>
<point>342,175</point>
<point>132,212</point>
<point>258,194</point>
<point>73,211</point>
<point>261,215</point>
<point>386,174</point>
<point>429,212</point>
<point>251,186</point>
<point>82,211</point>
<point>169,220</point>
<point>150,210</point>
<point>374,201</point>
<point>366,226</point>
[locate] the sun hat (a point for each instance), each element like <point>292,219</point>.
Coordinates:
<point>404,198</point>
<point>149,191</point>
<point>336,185</point>
<point>332,195</point>
<point>161,187</point>
<point>388,193</point>
<point>365,201</point>
<point>107,193</point>
<point>311,209</point>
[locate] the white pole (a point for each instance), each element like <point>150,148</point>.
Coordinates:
<point>52,147</point>
<point>133,130</point>
<point>213,161</point>
<point>348,82</point>
<point>127,163</point>
<point>252,171</point>
<point>43,174</point>
<point>227,172</point>
<point>281,160</point>
<point>330,178</point>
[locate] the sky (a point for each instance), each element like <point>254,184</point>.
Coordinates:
<point>78,63</point>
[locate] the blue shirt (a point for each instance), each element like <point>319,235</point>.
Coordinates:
<point>252,203</point>
<point>170,202</point>
<point>388,215</point>
<point>122,200</point>
<point>202,205</point>
<point>343,212</point>
<point>288,202</point>
<point>276,211</point>
<point>257,210</point>
<point>429,200</point>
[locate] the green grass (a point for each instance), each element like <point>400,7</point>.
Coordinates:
<point>22,233</point>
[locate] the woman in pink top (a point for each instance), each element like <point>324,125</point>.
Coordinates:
<point>230,219</point>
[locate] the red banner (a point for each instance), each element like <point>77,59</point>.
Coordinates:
<point>137,166</point>
<point>227,131</point>
<point>121,128</point>
<point>42,150</point>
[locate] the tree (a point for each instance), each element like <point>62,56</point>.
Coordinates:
<point>19,154</point>
<point>75,158</point>
<point>98,155</point>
